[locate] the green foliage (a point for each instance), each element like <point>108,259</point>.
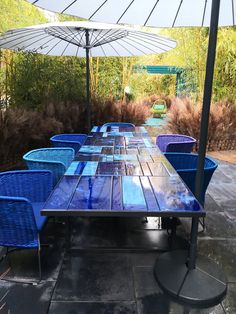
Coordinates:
<point>225,69</point>
<point>18,13</point>
<point>38,79</point>
<point>31,81</point>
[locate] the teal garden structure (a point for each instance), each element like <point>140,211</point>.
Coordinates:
<point>164,69</point>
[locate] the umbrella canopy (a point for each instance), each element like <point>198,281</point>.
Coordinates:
<point>69,39</point>
<point>82,39</point>
<point>159,13</point>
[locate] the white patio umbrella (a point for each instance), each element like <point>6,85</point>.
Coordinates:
<point>82,39</point>
<point>158,13</point>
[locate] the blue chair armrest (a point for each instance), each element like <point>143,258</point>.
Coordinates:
<point>34,185</point>
<point>17,223</point>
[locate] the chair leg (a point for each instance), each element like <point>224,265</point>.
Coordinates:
<point>203,224</point>
<point>39,259</point>
<point>144,220</point>
<point>172,236</point>
<point>4,255</point>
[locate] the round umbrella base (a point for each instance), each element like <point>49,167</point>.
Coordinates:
<point>203,286</point>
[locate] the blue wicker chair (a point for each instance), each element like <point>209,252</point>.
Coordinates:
<point>56,160</point>
<point>186,167</point>
<point>22,195</point>
<point>175,143</point>
<point>121,124</point>
<point>74,141</point>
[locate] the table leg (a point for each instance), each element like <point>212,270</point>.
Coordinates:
<point>196,281</point>
<point>68,234</point>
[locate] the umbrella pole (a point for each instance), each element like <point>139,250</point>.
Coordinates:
<point>204,124</point>
<point>176,271</point>
<point>88,111</point>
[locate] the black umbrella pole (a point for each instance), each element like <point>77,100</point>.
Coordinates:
<point>204,124</point>
<point>207,98</point>
<point>88,83</point>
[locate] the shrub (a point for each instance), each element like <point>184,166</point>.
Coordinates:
<point>184,118</point>
<point>22,130</point>
<point>120,111</point>
<point>71,115</point>
<point>149,100</point>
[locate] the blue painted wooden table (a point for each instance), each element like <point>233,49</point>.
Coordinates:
<point>121,173</point>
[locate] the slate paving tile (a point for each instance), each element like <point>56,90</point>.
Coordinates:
<point>95,277</point>
<point>218,224</point>
<point>92,308</point>
<point>219,175</point>
<point>23,264</point>
<point>144,259</point>
<point>229,303</point>
<point>25,298</point>
<point>99,233</point>
<point>120,233</point>
<point>210,204</point>
<point>223,194</point>
<point>228,169</point>
<point>223,252</point>
<point>151,300</point>
<point>231,214</point>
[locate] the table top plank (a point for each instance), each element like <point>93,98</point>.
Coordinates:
<point>92,193</point>
<point>121,173</point>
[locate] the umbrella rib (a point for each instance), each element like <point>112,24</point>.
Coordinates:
<point>151,12</point>
<point>103,51</point>
<point>21,37</point>
<point>233,10</point>
<point>51,39</point>
<point>103,36</point>
<point>92,35</point>
<point>148,42</point>
<point>180,4</point>
<point>204,12</point>
<point>74,35</point>
<point>68,6</point>
<point>60,33</point>
<point>97,35</point>
<point>97,9</point>
<point>125,11</point>
<point>111,38</point>
<point>19,43</point>
<point>137,48</point>
<point>125,48</point>
<point>153,36</point>
<point>79,38</point>
<point>77,51</point>
<point>114,49</point>
<point>127,42</point>
<point>54,46</point>
<point>83,44</point>
<point>68,45</point>
<point>142,46</point>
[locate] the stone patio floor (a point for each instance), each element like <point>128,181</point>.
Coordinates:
<point>110,267</point>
